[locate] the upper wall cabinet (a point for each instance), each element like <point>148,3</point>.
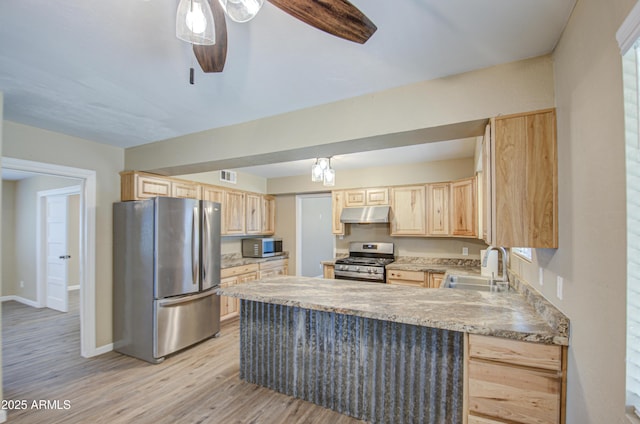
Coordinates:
<point>408,207</point>
<point>337,204</point>
<point>366,197</point>
<point>464,208</point>
<point>523,192</point>
<point>242,212</point>
<point>438,209</point>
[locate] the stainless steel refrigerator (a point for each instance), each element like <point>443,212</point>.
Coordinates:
<point>166,266</point>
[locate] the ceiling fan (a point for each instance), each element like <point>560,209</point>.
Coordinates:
<point>336,17</point>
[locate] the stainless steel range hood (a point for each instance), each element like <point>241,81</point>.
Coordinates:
<point>365,215</point>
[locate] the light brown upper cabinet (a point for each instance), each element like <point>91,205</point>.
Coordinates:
<point>524,180</point>
<point>366,197</point>
<point>212,194</point>
<point>408,211</point>
<point>185,189</point>
<point>253,213</point>
<point>438,209</point>
<point>233,213</point>
<point>463,208</point>
<point>268,215</point>
<point>337,203</point>
<point>139,186</point>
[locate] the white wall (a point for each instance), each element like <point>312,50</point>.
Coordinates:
<point>8,256</point>
<point>591,256</point>
<point>30,143</point>
<point>25,248</point>
<point>514,87</point>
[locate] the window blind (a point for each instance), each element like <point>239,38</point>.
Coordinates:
<point>632,119</point>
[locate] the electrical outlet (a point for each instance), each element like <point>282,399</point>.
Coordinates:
<point>21,284</point>
<point>465,251</point>
<point>540,276</point>
<point>559,287</point>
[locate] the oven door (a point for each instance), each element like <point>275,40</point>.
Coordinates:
<point>358,276</point>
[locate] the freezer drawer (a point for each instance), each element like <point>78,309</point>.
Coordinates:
<point>183,321</point>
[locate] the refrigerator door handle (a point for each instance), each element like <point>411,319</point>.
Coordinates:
<point>183,299</point>
<point>205,243</point>
<point>195,253</point>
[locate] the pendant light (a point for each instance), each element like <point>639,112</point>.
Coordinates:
<point>194,22</point>
<point>241,10</point>
<point>321,171</point>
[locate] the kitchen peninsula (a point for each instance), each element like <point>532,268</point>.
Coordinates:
<point>386,353</point>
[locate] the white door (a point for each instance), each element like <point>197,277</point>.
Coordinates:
<point>57,255</point>
<point>316,240</point>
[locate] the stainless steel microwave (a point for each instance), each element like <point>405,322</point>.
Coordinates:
<point>261,247</point>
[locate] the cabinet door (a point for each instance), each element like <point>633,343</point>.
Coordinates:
<point>438,209</point>
<point>355,198</point>
<point>337,203</point>
<point>525,180</point>
<point>253,213</point>
<point>487,225</point>
<point>212,194</point>
<point>512,393</point>
<point>328,271</point>
<point>463,207</point>
<point>228,305</point>
<point>377,196</point>
<point>234,212</point>
<point>408,211</point>
<point>268,215</point>
<point>185,190</point>
<point>435,279</point>
<point>147,187</point>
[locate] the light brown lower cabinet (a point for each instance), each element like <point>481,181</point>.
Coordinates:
<point>230,306</point>
<point>328,272</point>
<point>435,279</point>
<point>426,279</point>
<point>510,381</point>
<point>273,268</point>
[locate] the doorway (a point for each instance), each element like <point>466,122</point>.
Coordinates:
<point>315,241</point>
<point>87,243</point>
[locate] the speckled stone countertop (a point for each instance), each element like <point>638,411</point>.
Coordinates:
<point>411,263</point>
<point>235,259</point>
<point>508,315</point>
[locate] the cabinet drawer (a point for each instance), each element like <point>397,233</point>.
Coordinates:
<point>238,270</point>
<point>512,393</point>
<point>406,275</point>
<point>516,352</point>
<point>278,263</point>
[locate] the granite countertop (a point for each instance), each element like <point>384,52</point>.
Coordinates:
<point>236,259</point>
<point>425,264</point>
<point>510,315</point>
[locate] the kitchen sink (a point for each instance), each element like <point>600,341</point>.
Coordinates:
<point>473,282</point>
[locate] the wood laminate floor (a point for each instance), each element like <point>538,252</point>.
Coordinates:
<point>41,361</point>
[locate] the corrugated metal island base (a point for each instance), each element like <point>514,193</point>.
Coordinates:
<point>371,369</point>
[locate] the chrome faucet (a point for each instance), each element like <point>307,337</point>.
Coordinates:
<point>504,278</point>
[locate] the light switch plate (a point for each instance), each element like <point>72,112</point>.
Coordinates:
<point>465,251</point>
<point>559,287</point>
<point>540,276</point>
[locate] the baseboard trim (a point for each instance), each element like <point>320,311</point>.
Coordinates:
<point>100,350</point>
<point>20,299</point>
<point>72,288</point>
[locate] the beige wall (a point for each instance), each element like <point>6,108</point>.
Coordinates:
<point>514,87</point>
<point>26,199</point>
<point>245,181</point>
<point>30,143</point>
<point>8,256</point>
<point>425,172</point>
<point>591,256</point>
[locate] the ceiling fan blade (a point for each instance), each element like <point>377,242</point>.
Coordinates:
<point>212,58</point>
<point>337,17</point>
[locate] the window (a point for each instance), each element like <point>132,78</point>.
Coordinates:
<point>628,39</point>
<point>523,252</point>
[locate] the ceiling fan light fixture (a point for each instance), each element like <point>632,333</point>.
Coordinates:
<point>241,10</point>
<point>194,22</point>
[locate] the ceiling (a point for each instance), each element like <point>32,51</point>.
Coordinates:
<point>114,72</point>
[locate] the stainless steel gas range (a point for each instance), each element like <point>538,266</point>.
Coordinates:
<point>366,262</point>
